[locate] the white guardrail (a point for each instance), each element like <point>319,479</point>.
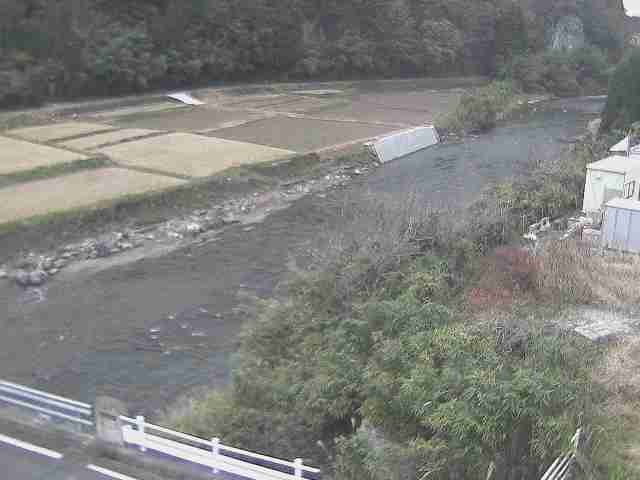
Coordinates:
<point>211,453</point>
<point>54,406</point>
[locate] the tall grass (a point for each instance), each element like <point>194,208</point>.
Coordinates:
<point>572,272</point>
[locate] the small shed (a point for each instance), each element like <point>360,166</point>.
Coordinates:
<point>605,180</point>
<point>621,225</point>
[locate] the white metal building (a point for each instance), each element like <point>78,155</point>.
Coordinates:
<point>606,179</point>
<point>621,224</point>
<point>399,144</point>
<point>622,146</point>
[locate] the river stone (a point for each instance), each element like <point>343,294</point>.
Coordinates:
<point>125,245</point>
<point>594,126</point>
<point>37,278</point>
<point>21,277</point>
<point>103,249</point>
<point>59,263</point>
<point>47,263</point>
<point>27,262</point>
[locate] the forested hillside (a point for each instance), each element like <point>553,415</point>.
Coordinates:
<point>67,48</point>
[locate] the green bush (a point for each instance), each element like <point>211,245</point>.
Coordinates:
<point>125,62</point>
<point>584,70</point>
<point>623,102</point>
<point>480,110</point>
<point>386,381</point>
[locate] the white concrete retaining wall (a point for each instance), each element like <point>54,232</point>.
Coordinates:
<point>404,143</point>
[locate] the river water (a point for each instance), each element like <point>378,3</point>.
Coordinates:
<point>153,330</point>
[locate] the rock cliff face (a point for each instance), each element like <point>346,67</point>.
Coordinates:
<point>570,24</point>
<point>567,34</point>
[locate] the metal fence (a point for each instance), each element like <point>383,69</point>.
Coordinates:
<point>52,407</point>
<point>211,454</point>
<point>564,467</point>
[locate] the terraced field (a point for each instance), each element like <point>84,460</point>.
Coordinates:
<point>157,144</point>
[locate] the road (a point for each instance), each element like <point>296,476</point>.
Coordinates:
<point>22,461</point>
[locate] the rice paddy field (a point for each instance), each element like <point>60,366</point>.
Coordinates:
<point>154,143</point>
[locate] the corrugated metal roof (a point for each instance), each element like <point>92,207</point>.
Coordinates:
<point>624,204</point>
<point>616,164</point>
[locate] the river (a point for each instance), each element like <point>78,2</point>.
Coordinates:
<point>153,330</point>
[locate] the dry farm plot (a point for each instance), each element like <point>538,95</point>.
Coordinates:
<point>94,141</point>
<point>261,101</point>
<point>138,109</point>
<point>367,112</point>
<point>410,108</point>
<point>190,155</point>
<point>18,156</point>
<point>304,104</point>
<point>301,134</point>
<point>78,190</point>
<point>414,100</point>
<point>190,119</point>
<point>58,131</point>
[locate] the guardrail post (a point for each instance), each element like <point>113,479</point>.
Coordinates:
<point>140,424</point>
<point>297,468</point>
<point>215,451</point>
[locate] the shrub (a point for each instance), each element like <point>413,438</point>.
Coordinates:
<point>517,265</point>
<point>623,101</point>
<point>480,110</point>
<point>561,73</point>
<point>124,62</point>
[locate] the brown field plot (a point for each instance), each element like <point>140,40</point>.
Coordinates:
<point>190,155</point>
<point>301,134</point>
<point>18,156</point>
<point>190,119</point>
<point>78,190</point>
<point>138,109</point>
<point>409,108</point>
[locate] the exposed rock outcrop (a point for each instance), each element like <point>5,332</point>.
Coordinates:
<point>567,34</point>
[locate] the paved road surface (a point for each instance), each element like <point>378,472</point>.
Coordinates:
<point>19,464</point>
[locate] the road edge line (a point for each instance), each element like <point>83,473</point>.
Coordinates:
<point>109,473</point>
<point>30,447</point>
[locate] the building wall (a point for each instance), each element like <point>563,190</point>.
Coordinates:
<point>621,229</point>
<point>595,184</point>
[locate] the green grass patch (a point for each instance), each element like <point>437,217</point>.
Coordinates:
<point>47,231</point>
<point>481,109</point>
<point>50,171</point>
<point>615,439</point>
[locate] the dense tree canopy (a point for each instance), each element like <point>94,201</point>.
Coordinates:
<point>623,102</point>
<point>75,47</point>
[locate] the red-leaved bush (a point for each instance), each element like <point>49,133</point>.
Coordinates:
<point>507,272</point>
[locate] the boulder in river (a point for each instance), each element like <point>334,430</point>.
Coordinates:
<point>27,262</point>
<point>594,126</point>
<point>37,278</point>
<point>21,277</point>
<point>103,249</point>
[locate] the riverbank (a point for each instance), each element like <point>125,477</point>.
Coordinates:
<point>322,122</point>
<point>414,321</point>
<point>148,330</point>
